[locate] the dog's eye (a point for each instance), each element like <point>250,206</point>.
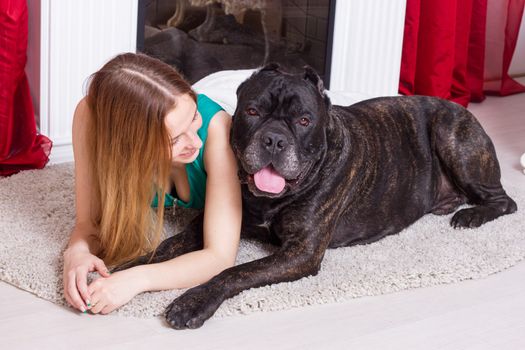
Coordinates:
<point>252,111</point>
<point>304,121</point>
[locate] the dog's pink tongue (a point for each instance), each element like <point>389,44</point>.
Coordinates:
<point>268,180</point>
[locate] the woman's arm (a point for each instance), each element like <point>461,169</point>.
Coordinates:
<point>83,234</point>
<point>222,227</point>
<point>79,256</point>
<point>222,219</point>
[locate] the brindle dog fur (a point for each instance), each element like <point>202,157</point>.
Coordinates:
<point>353,175</point>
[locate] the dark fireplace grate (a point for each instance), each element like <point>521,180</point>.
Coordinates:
<point>200,37</point>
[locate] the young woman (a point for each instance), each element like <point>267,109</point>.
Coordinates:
<point>142,136</point>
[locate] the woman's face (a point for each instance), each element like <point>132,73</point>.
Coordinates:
<point>182,123</point>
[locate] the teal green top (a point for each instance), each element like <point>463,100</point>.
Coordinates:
<point>195,170</point>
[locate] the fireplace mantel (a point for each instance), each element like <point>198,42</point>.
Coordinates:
<point>72,39</point>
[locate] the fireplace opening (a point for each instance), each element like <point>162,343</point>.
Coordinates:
<point>199,37</point>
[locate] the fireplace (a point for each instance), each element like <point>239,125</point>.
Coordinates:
<point>75,38</point>
<point>199,37</point>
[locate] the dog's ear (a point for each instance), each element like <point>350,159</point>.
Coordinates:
<point>270,67</point>
<point>311,75</point>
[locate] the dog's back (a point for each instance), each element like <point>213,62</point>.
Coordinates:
<point>411,156</point>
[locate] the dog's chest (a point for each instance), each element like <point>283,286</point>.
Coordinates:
<point>264,226</point>
<point>261,214</point>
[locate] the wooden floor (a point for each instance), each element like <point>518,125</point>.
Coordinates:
<point>479,314</point>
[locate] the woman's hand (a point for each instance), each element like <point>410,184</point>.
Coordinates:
<point>77,264</point>
<point>108,294</point>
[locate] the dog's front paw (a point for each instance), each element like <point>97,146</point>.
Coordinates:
<point>192,308</point>
<point>472,217</point>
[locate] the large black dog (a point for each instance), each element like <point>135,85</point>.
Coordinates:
<point>317,176</point>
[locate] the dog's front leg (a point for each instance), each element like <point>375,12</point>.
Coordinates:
<point>296,259</point>
<point>181,243</point>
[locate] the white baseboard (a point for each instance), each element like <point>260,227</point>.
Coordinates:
<point>62,153</point>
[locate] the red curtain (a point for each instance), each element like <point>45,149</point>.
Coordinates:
<point>450,45</point>
<point>20,145</point>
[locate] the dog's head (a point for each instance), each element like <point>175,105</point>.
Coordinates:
<point>278,131</point>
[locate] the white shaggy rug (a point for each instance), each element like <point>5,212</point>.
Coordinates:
<point>37,216</point>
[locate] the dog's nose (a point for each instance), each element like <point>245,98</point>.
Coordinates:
<point>274,142</point>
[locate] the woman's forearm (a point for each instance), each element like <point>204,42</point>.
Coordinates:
<point>185,271</point>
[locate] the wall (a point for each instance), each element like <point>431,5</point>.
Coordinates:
<point>76,39</point>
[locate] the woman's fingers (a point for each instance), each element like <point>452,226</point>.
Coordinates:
<point>66,291</point>
<point>107,309</point>
<point>73,293</point>
<point>101,268</point>
<point>67,297</point>
<point>81,284</point>
<point>97,308</point>
<point>98,303</point>
<point>76,267</point>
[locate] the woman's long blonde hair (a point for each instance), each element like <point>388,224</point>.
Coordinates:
<point>130,152</point>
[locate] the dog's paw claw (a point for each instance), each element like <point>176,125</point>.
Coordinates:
<point>191,309</point>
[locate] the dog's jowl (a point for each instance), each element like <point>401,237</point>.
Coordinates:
<point>316,176</point>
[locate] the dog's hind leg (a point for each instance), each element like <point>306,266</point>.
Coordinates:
<point>189,240</point>
<point>468,158</point>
